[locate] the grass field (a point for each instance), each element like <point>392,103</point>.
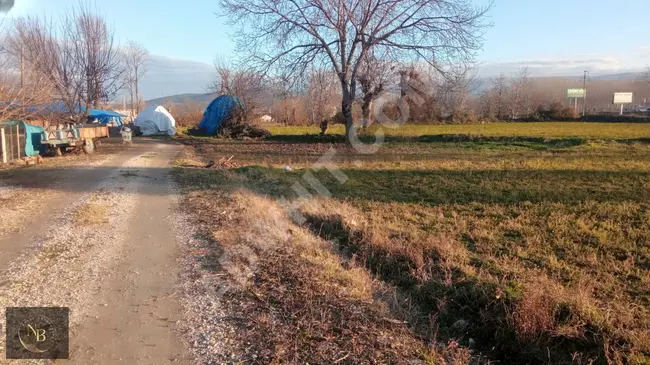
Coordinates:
<point>545,129</point>
<point>517,251</point>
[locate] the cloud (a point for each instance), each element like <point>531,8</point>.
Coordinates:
<point>566,66</point>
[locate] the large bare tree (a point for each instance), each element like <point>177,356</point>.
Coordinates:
<point>136,59</point>
<point>97,54</point>
<point>294,35</point>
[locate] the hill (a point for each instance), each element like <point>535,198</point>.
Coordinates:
<point>201,100</point>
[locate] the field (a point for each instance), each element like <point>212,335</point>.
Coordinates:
<point>544,129</point>
<point>520,243</point>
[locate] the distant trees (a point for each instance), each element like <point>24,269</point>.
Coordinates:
<point>291,36</point>
<point>245,85</point>
<point>374,76</point>
<point>136,59</point>
<point>509,97</point>
<point>322,95</point>
<point>521,105</point>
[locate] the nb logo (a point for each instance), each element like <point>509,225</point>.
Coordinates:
<point>37,336</point>
<point>39,333</point>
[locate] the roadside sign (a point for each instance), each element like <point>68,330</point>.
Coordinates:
<point>575,93</point>
<point>623,98</point>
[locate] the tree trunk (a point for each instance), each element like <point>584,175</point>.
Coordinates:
<point>365,110</point>
<point>346,107</point>
<point>137,97</point>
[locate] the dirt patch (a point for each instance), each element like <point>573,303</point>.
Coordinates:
<point>91,213</point>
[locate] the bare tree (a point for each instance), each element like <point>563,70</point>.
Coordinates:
<point>50,57</point>
<point>78,57</point>
<point>495,101</point>
<point>374,77</point>
<point>22,89</point>
<point>135,60</point>
<point>322,95</point>
<point>245,85</point>
<point>294,35</point>
<point>95,51</point>
<point>454,91</point>
<point>521,94</point>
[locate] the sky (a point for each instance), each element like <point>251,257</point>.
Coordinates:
<point>551,37</point>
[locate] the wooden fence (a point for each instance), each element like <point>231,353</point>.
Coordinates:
<point>12,143</point>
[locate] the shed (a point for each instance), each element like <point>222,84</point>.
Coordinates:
<point>20,139</point>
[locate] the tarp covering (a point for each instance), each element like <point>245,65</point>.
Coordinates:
<point>107,116</point>
<point>155,120</point>
<point>33,135</point>
<point>56,107</point>
<point>219,111</point>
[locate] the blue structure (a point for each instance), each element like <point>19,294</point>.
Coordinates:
<point>56,107</point>
<point>107,116</point>
<point>219,111</point>
<point>33,136</point>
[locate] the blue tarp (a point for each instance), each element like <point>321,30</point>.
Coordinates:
<point>219,110</point>
<point>55,107</point>
<point>33,135</point>
<point>107,116</point>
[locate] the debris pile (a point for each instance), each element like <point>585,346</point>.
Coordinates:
<point>243,130</point>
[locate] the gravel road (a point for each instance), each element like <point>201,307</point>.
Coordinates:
<point>103,245</point>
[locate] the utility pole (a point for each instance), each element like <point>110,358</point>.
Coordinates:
<point>22,78</point>
<point>584,99</point>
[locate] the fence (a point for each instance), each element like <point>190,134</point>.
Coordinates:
<point>12,142</point>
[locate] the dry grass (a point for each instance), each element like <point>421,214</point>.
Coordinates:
<point>292,298</point>
<point>91,213</point>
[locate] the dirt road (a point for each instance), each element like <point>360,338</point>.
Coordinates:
<point>102,245</point>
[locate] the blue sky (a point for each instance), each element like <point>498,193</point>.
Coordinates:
<point>551,37</point>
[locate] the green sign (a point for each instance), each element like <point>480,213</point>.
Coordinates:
<point>575,93</point>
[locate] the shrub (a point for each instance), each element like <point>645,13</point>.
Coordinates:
<point>557,111</point>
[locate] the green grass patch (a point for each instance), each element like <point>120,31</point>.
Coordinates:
<point>531,250</point>
<point>539,129</point>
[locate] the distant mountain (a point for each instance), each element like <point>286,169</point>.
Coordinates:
<point>480,84</point>
<point>631,76</point>
<point>201,100</point>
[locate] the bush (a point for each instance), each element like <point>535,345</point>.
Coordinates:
<point>464,118</point>
<point>188,115</point>
<point>557,111</point>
